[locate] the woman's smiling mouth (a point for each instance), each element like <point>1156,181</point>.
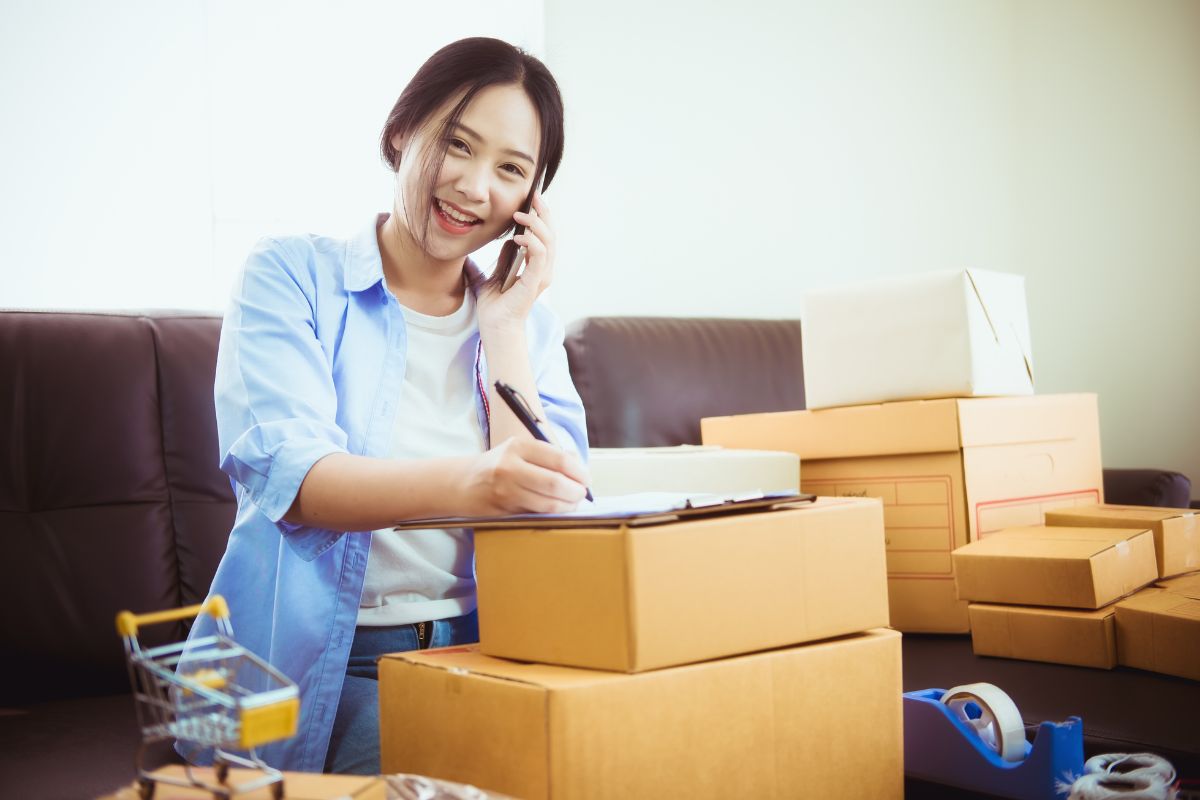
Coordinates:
<point>453,220</point>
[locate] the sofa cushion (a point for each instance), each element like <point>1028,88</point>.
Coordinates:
<point>110,495</point>
<point>201,498</point>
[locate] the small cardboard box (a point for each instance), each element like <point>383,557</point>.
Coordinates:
<point>1057,635</point>
<point>1176,535</point>
<point>637,598</point>
<point>944,334</point>
<point>1159,630</point>
<point>1061,567</point>
<point>296,785</point>
<point>783,723</point>
<point>947,471</point>
<point>691,468</point>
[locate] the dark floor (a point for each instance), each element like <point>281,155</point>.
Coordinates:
<point>1123,710</point>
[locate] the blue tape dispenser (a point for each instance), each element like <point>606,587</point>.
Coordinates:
<point>972,737</point>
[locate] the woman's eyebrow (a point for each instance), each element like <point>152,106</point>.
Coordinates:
<point>479,138</point>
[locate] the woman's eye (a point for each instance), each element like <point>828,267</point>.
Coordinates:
<point>514,169</point>
<point>458,144</point>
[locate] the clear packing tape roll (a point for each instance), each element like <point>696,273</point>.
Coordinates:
<point>1122,776</point>
<point>999,724</point>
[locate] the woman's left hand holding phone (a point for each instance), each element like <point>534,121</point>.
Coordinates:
<point>501,311</point>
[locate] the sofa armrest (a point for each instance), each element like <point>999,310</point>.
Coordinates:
<point>1147,487</point>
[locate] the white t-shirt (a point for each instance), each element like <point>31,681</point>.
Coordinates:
<point>413,576</point>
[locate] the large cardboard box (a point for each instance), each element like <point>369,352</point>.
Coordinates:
<point>691,468</point>
<point>945,334</point>
<point>1057,635</point>
<point>947,471</point>
<point>637,598</point>
<point>297,786</point>
<point>1176,535</point>
<point>820,720</point>
<point>1061,567</point>
<point>1159,630</point>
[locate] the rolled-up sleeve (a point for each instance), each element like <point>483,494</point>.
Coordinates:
<point>275,397</point>
<point>560,399</point>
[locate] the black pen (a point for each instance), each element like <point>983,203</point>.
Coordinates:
<point>512,398</point>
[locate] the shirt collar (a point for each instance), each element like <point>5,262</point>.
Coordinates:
<point>364,264</point>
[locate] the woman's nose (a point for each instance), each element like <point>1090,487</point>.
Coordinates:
<point>472,183</point>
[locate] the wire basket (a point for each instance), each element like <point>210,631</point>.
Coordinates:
<point>207,693</point>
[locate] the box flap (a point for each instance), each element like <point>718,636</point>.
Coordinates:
<point>1136,515</point>
<point>1161,601</point>
<point>911,426</point>
<point>1045,611</point>
<point>988,421</point>
<point>1049,542</point>
<point>1184,584</point>
<point>467,660</point>
<point>1003,356</point>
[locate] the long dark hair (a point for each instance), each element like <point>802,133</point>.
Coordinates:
<point>468,66</point>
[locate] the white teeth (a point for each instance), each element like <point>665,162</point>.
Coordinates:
<point>456,215</point>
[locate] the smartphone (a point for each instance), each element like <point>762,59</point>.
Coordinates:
<point>511,254</point>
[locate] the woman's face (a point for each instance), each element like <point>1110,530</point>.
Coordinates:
<point>486,174</point>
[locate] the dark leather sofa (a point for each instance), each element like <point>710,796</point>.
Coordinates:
<point>110,498</point>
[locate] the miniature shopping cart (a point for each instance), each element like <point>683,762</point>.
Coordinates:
<point>208,693</point>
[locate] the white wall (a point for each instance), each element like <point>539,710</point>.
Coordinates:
<point>723,157</point>
<point>145,145</point>
<point>1108,138</point>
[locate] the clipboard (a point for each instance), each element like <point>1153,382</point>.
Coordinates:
<point>689,507</point>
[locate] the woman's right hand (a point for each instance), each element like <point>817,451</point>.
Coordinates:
<point>521,476</point>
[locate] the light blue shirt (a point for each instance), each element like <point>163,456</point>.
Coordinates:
<point>311,362</point>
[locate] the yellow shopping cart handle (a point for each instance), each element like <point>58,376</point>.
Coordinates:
<point>128,622</point>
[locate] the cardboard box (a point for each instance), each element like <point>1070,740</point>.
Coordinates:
<point>1176,535</point>
<point>1182,584</point>
<point>783,723</point>
<point>1057,635</point>
<point>297,786</point>
<point>691,468</point>
<point>944,334</point>
<point>1061,567</point>
<point>637,598</point>
<point>947,471</point>
<point>1159,630</point>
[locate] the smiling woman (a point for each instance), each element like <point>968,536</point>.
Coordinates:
<point>351,395</point>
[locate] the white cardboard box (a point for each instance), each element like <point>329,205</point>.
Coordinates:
<point>944,334</point>
<point>691,468</point>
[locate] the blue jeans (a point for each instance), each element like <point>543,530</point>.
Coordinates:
<point>354,744</point>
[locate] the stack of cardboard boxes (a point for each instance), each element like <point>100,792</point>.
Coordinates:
<point>736,655</point>
<point>893,373</point>
<point>955,467</point>
<point>1065,592</point>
